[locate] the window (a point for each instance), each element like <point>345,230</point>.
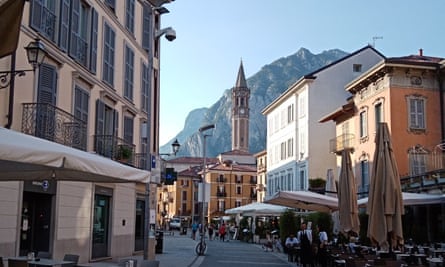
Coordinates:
<point>302,179</point>
<point>145,88</point>
<point>417,160</point>
<point>108,55</point>
<point>416,107</point>
<point>43,17</point>
<point>129,73</point>
<point>238,179</point>
<point>128,129</point>
<point>106,126</point>
<point>364,173</point>
<point>290,147</point>
<point>363,124</point>
<point>221,205</point>
<point>238,190</point>
<point>237,203</point>
<point>129,15</point>
<point>378,108</point>
<point>111,4</point>
<point>290,113</point>
<point>81,102</point>
<point>184,196</point>
<point>146,27</point>
<point>357,67</point>
<point>283,151</point>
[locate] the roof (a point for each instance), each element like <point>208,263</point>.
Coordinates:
<point>192,160</point>
<point>380,69</point>
<point>343,110</point>
<point>313,76</point>
<point>237,152</point>
<point>233,168</point>
<point>191,171</point>
<point>241,79</point>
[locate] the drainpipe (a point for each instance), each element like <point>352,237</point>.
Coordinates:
<point>11,93</point>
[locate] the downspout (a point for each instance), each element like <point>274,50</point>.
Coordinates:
<point>11,93</point>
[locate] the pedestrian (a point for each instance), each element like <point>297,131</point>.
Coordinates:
<point>291,247</point>
<point>305,241</point>
<point>194,230</point>
<point>211,231</point>
<point>322,249</point>
<point>222,232</point>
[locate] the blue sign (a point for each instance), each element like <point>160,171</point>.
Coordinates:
<point>153,162</point>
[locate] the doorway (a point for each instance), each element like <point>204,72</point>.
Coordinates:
<point>101,224</point>
<point>139,225</point>
<point>35,231</point>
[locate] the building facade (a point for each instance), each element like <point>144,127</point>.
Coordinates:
<point>261,165</point>
<point>92,92</point>
<point>295,152</point>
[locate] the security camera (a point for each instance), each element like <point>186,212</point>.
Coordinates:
<point>170,34</point>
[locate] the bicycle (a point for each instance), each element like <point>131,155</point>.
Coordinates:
<point>201,247</point>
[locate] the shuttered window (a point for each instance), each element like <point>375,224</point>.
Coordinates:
<point>108,55</point>
<point>128,129</point>
<point>145,88</point>
<point>129,15</point>
<point>146,16</point>
<point>129,73</point>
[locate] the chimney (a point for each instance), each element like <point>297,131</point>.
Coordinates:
<point>421,52</point>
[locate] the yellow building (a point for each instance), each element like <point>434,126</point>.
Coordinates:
<point>92,92</point>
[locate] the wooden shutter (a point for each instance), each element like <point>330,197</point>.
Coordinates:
<point>64,25</point>
<point>74,36</point>
<point>47,84</point>
<point>93,40</point>
<point>36,14</point>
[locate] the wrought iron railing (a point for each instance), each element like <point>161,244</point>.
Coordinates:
<point>54,124</point>
<point>115,148</point>
<point>424,182</point>
<point>342,142</point>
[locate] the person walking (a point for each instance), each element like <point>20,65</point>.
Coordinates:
<point>194,230</point>
<point>322,247</point>
<point>222,232</point>
<point>292,246</point>
<point>305,240</point>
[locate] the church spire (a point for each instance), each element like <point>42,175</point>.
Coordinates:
<point>241,79</point>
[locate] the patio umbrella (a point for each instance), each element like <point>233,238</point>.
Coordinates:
<point>331,190</point>
<point>385,204</point>
<point>258,208</point>
<point>305,200</point>
<point>347,196</point>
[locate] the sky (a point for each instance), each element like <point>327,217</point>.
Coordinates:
<point>213,36</point>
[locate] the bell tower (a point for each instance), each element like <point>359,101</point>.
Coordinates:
<point>240,112</point>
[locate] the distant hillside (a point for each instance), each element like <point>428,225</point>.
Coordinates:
<point>266,85</point>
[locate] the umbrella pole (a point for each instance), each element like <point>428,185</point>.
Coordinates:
<point>390,250</point>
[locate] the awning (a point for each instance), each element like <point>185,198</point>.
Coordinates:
<point>10,20</point>
<point>305,200</point>
<point>412,199</point>
<point>258,208</point>
<point>25,157</point>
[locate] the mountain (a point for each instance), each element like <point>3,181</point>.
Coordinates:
<point>265,86</point>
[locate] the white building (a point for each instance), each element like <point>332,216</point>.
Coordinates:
<point>297,144</point>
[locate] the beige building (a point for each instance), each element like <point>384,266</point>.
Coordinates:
<point>92,92</point>
<point>261,165</point>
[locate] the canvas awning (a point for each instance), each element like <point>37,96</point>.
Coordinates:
<point>413,199</point>
<point>25,157</point>
<point>305,200</point>
<point>258,208</point>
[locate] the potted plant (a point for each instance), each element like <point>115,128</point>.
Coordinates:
<point>124,152</point>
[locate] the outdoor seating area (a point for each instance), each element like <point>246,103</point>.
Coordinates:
<point>42,259</point>
<point>343,256</point>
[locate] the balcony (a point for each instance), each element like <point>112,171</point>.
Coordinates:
<point>424,182</point>
<point>253,180</point>
<point>340,143</point>
<point>54,124</point>
<point>115,148</point>
<point>221,194</point>
<point>261,168</point>
<point>221,179</point>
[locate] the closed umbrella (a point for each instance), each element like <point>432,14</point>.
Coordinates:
<point>347,196</point>
<point>331,190</point>
<point>385,204</point>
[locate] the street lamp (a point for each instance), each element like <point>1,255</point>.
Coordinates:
<point>35,51</point>
<point>175,148</point>
<point>155,8</point>
<point>202,130</point>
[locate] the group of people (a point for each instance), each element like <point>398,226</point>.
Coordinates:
<point>213,230</point>
<point>302,247</point>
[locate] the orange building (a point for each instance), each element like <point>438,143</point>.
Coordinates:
<point>404,92</point>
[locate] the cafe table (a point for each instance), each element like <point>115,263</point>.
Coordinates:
<point>42,261</point>
<point>435,261</point>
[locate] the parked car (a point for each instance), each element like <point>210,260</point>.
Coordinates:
<point>175,224</point>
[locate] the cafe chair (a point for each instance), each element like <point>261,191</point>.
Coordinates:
<point>126,263</point>
<point>70,257</point>
<point>17,263</point>
<point>149,263</point>
<point>43,255</point>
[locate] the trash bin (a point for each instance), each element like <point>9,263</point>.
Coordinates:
<point>159,242</point>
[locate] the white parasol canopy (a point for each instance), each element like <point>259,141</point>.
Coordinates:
<point>413,199</point>
<point>25,157</point>
<point>258,208</point>
<point>305,200</point>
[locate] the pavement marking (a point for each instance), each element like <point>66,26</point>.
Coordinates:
<point>197,261</point>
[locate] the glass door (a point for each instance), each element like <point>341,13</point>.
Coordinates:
<point>101,226</point>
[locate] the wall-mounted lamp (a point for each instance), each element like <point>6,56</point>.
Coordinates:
<point>35,51</point>
<point>175,148</point>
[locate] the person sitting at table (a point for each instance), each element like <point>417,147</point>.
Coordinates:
<point>291,245</point>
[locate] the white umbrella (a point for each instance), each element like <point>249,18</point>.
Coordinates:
<point>258,208</point>
<point>305,200</point>
<point>413,199</point>
<point>25,157</point>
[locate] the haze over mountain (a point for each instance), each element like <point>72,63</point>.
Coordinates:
<point>265,85</point>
